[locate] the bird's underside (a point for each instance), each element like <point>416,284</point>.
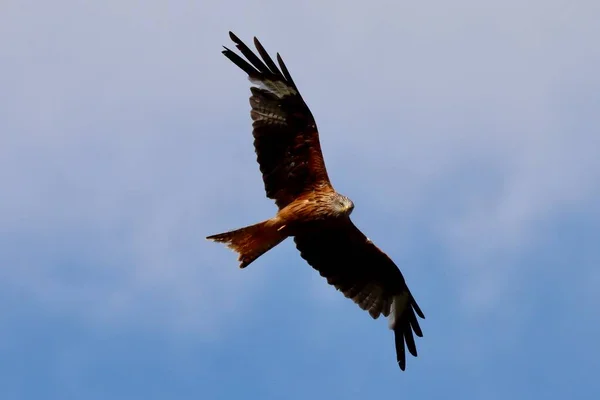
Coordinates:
<point>286,142</point>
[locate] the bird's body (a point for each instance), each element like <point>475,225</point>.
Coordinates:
<point>310,212</point>
<point>325,207</point>
<point>288,151</point>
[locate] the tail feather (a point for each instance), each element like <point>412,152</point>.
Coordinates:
<point>251,241</point>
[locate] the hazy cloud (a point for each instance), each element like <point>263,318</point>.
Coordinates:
<point>126,140</point>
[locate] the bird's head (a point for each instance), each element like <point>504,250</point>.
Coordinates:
<point>343,204</point>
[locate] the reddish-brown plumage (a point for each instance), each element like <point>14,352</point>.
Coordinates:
<point>286,141</point>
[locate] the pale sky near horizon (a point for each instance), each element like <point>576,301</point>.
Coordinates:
<point>466,133</point>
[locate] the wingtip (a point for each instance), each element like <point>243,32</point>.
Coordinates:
<point>413,351</point>
<point>402,365</point>
<point>418,310</point>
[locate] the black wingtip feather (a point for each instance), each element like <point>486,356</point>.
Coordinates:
<point>410,340</point>
<point>240,62</point>
<point>234,38</point>
<point>415,324</point>
<point>253,58</point>
<point>405,331</point>
<point>254,66</point>
<point>417,308</point>
<point>285,71</point>
<point>400,352</point>
<point>267,59</point>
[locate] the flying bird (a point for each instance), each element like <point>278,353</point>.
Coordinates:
<point>286,142</point>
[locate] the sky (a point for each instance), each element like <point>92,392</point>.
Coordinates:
<point>466,133</point>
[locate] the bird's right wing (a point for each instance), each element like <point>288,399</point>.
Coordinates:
<point>362,272</point>
<point>286,139</point>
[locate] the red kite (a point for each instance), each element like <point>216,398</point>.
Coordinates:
<point>286,141</point>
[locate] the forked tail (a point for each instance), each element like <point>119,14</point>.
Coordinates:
<point>251,241</point>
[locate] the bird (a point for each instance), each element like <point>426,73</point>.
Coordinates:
<point>310,210</point>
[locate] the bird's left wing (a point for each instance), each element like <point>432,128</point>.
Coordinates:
<point>286,139</point>
<point>362,272</point>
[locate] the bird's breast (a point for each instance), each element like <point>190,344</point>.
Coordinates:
<point>305,212</point>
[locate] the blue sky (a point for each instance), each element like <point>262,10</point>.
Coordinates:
<point>467,135</point>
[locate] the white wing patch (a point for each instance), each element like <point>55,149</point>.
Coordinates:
<point>277,88</point>
<point>398,307</point>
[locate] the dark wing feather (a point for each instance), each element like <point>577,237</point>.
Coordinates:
<point>362,272</point>
<point>286,139</point>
